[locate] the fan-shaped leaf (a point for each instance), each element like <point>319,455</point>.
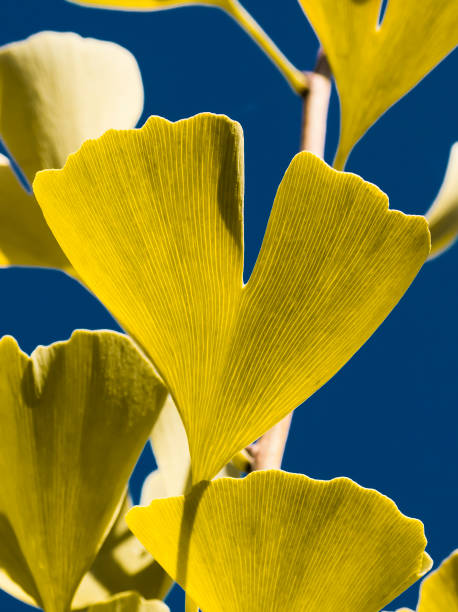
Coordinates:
<point>74,418</point>
<point>159,213</point>
<point>275,541</point>
<point>58,89</point>
<point>375,65</point>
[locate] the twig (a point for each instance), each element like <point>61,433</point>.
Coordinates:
<point>316,105</point>
<point>267,452</point>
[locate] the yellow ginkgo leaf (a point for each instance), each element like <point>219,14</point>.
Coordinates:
<point>62,479</point>
<point>25,238</point>
<point>127,602</point>
<point>375,65</point>
<point>57,90</point>
<point>276,541</point>
<point>171,450</point>
<point>443,214</point>
<point>439,590</point>
<point>151,219</point>
<point>122,564</point>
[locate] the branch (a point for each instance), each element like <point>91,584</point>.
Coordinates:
<point>267,452</point>
<point>316,105</point>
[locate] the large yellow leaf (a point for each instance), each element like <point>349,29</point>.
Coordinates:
<point>127,602</point>
<point>151,219</point>
<point>443,214</point>
<point>74,417</point>
<point>376,65</point>
<point>57,90</point>
<point>276,541</point>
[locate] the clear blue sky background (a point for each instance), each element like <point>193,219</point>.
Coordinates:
<point>389,419</point>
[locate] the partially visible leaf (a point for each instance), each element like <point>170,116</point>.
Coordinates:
<point>25,238</point>
<point>151,219</point>
<point>375,65</point>
<point>127,602</point>
<point>57,90</point>
<point>171,450</point>
<point>122,564</point>
<point>74,417</point>
<point>439,590</point>
<point>276,541</point>
<point>443,214</point>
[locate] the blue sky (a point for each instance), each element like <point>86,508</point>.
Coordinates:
<point>389,418</point>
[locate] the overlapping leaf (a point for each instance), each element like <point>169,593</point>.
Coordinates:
<point>128,602</point>
<point>58,89</point>
<point>171,450</point>
<point>151,219</point>
<point>74,417</point>
<point>439,590</point>
<point>122,564</point>
<point>443,214</point>
<point>276,541</point>
<point>375,65</point>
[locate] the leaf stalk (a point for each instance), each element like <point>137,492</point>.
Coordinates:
<point>296,78</point>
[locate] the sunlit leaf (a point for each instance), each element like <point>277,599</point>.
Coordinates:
<point>74,417</point>
<point>128,602</point>
<point>443,214</point>
<point>151,219</point>
<point>374,65</point>
<point>275,541</point>
<point>439,590</point>
<point>25,238</point>
<point>122,564</point>
<point>171,450</point>
<point>58,89</point>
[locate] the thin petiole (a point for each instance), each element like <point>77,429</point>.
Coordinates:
<point>296,78</point>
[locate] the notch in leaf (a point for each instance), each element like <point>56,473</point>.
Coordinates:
<point>374,63</point>
<point>159,213</point>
